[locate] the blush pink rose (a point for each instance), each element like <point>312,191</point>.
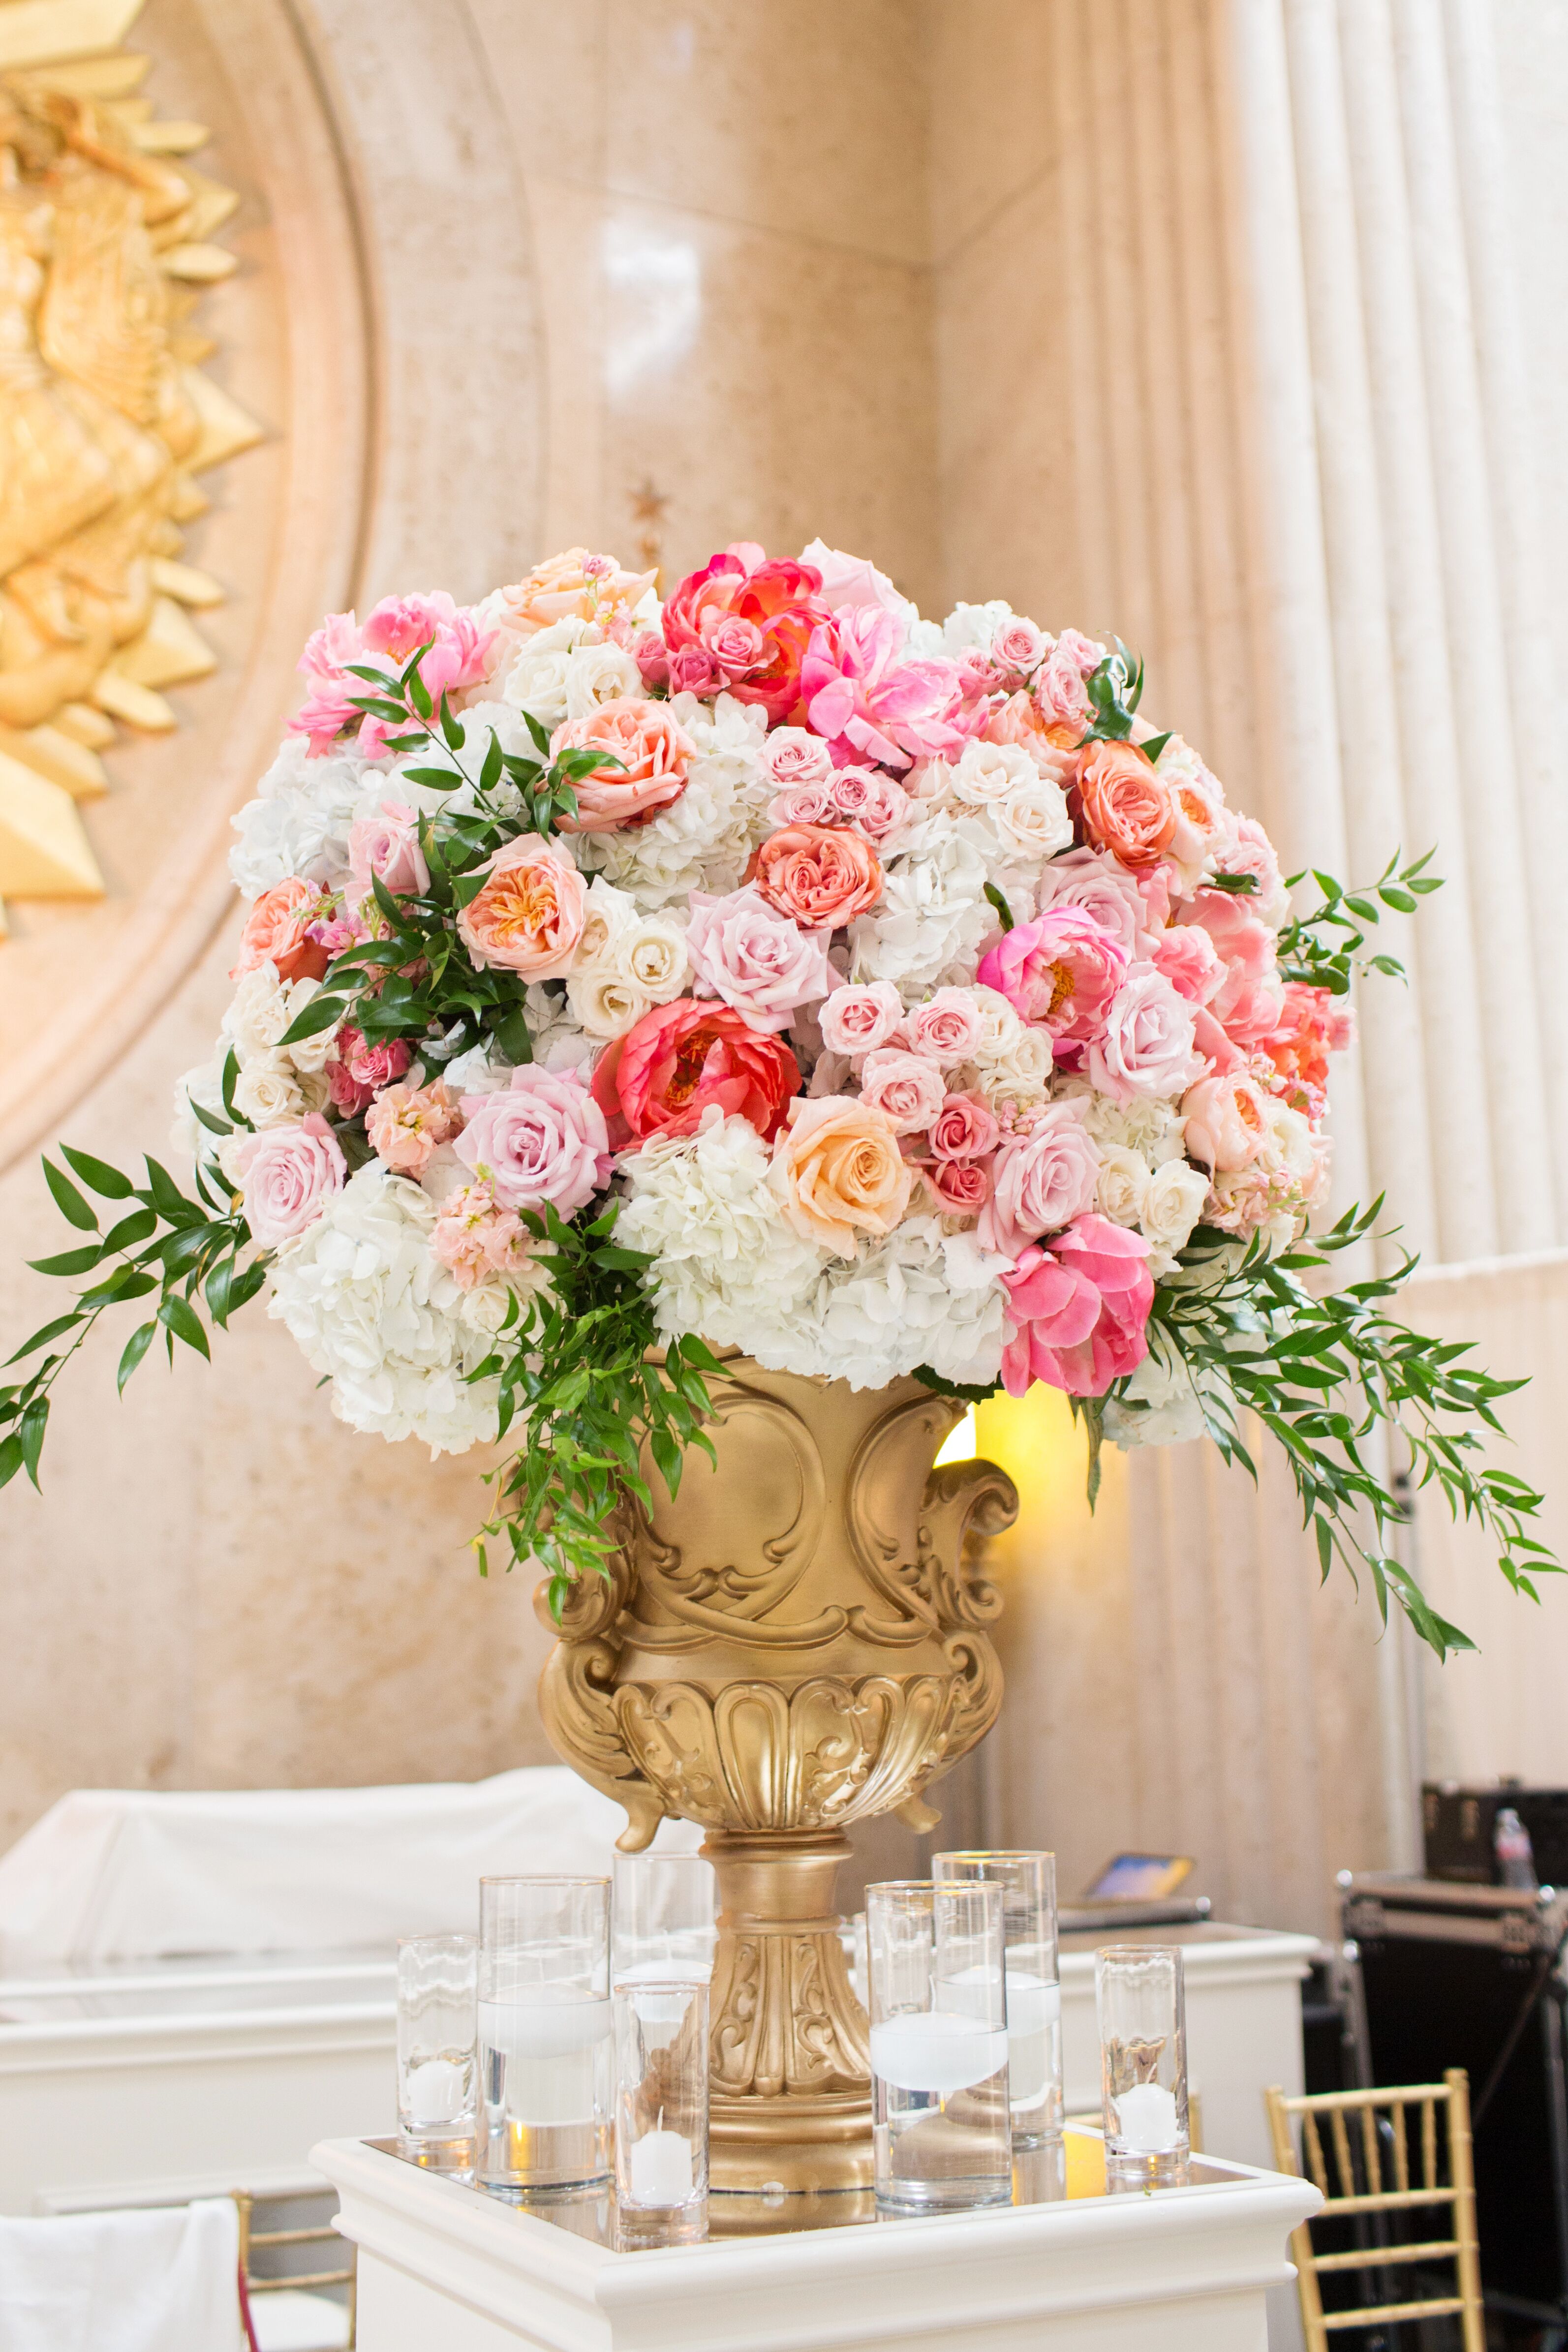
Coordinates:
<point>745,951</point>
<point>475,1237</point>
<point>1094,881</point>
<point>905,1088</point>
<point>961,1187</point>
<point>356,1072</point>
<point>652,751</point>
<point>1079,1310</point>
<point>947,1027</point>
<point>1061,971</point>
<point>1061,697</point>
<point>661,1077</point>
<point>280,929</point>
<point>527,917</point>
<point>856,1020</point>
<point>793,756</point>
<point>405,1125</point>
<point>288,1174</point>
<point>866,798</point>
<point>1018,647</point>
<point>1225,1126</point>
<point>822,877</point>
<point>803,805</point>
<point>1148,1048</point>
<point>1045,1178</point>
<point>542,1138</point>
<point>868,701</point>
<point>1189,962</point>
<point>327,709</point>
<point>964,1129</point>
<point>386,846</point>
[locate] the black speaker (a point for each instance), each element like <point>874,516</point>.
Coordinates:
<point>1459,1823</point>
<point>1469,1976</point>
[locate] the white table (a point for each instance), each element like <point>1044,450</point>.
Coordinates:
<point>1186,2271</point>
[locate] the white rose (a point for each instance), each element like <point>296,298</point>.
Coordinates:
<point>1022,1077</point>
<point>607,915</point>
<point>1033,821</point>
<point>258,1014</point>
<point>596,674</point>
<point>1000,1025</point>
<point>604,1004</point>
<point>988,773</point>
<point>309,1055</point>
<point>652,955</point>
<point>267,1091</point>
<point>1123,1185</point>
<point>538,680</point>
<point>1173,1204</point>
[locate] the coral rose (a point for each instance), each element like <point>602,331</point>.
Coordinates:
<point>541,1139</point>
<point>405,1125</point>
<point>1313,1025</point>
<point>777,604</point>
<point>652,750</point>
<point>1127,806</point>
<point>1079,1310</point>
<point>527,917</point>
<point>660,1077</point>
<point>1223,1122</point>
<point>821,876</point>
<point>277,931</point>
<point>1061,971</point>
<point>839,1172</point>
<point>287,1175</point>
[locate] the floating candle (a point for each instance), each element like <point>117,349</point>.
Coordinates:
<point>435,2092</point>
<point>1146,2119</point>
<point>935,2051</point>
<point>661,2168</point>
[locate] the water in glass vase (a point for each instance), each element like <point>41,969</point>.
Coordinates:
<point>547,2089</point>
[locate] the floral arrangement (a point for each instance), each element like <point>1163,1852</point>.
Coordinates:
<point>772,971</point>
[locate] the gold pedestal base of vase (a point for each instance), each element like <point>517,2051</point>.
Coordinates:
<point>795,1642</point>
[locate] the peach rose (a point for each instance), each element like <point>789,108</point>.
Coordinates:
<point>575,586</point>
<point>821,876</point>
<point>652,751</point>
<point>1224,1125</point>
<point>277,931</point>
<point>529,916</point>
<point>1127,807</point>
<point>838,1171</point>
<point>405,1125</point>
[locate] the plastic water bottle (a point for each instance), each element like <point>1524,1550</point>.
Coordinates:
<point>1515,1855</point>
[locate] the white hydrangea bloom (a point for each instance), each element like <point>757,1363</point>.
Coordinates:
<point>372,1310</point>
<point>919,1296</point>
<point>1151,1128</point>
<point>974,625</point>
<point>728,1266</point>
<point>537,679</point>
<point>932,915</point>
<point>1161,1405</point>
<point>702,840</point>
<point>298,822</point>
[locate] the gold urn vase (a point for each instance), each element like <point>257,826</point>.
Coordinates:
<point>795,1642</point>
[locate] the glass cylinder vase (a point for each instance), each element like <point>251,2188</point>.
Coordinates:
<point>1028,1883</point>
<point>661,2111</point>
<point>1140,2003</point>
<point>941,2127</point>
<point>436,2032</point>
<point>545,2041</point>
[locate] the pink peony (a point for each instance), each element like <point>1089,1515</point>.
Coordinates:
<point>856,1020</point>
<point>387,845</point>
<point>907,1090</point>
<point>1225,1124</point>
<point>965,1129</point>
<point>947,1027</point>
<point>650,752</point>
<point>356,1072</point>
<point>961,1187</point>
<point>474,1236</point>
<point>779,603</point>
<point>542,1138</point>
<point>1147,1049</point>
<point>1189,962</point>
<point>1079,1310</point>
<point>756,958</point>
<point>661,1077</point>
<point>405,1125</point>
<point>288,1174</point>
<point>529,913</point>
<point>328,710</point>
<point>868,701</point>
<point>1046,1177</point>
<point>1061,971</point>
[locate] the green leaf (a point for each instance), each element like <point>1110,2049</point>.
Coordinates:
<point>1238,885</point>
<point>69,1201</point>
<point>182,1321</point>
<point>99,1174</point>
<point>1004,911</point>
<point>321,1013</point>
<point>1399,899</point>
<point>135,1348</point>
<point>1154,745</point>
<point>513,1036</point>
<point>10,1458</point>
<point>76,1261</point>
<point>131,1231</point>
<point>217,1126</point>
<point>55,1330</point>
<point>167,1198</point>
<point>33,1423</point>
<point>230,1079</point>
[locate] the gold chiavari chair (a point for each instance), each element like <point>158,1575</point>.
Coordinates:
<point>253,2241</point>
<point>1373,2174</point>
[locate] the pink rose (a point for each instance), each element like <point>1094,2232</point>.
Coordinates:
<point>1018,647</point>
<point>1061,697</point>
<point>905,1088</point>
<point>947,1027</point>
<point>475,1237</point>
<point>1253,853</point>
<point>327,709</point>
<point>868,701</point>
<point>743,950</point>
<point>693,671</point>
<point>820,875</point>
<point>964,1129</point>
<point>1045,1178</point>
<point>405,1125</point>
<point>793,756</point>
<point>651,656</point>
<point>527,917</point>
<point>1061,971</point>
<point>1189,962</point>
<point>1079,1310</point>
<point>1224,1125</point>
<point>652,752</point>
<point>1095,882</point>
<point>856,1020</point>
<point>541,1139</point>
<point>660,1077</point>
<point>1148,1048</point>
<point>456,644</point>
<point>386,844</point>
<point>1085,653</point>
<point>961,1187</point>
<point>288,1174</point>
<point>810,803</point>
<point>872,800</point>
<point>356,1071</point>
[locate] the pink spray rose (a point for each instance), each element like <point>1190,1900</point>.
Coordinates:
<point>541,1139</point>
<point>868,701</point>
<point>661,1077</point>
<point>527,917</point>
<point>1061,697</point>
<point>1148,1048</point>
<point>407,1124</point>
<point>288,1174</point>
<point>961,1187</point>
<point>905,1088</point>
<point>872,801</point>
<point>810,803</point>
<point>965,1129</point>
<point>357,1071</point>
<point>947,1027</point>
<point>475,1237</point>
<point>652,752</point>
<point>744,951</point>
<point>1061,971</point>
<point>1018,647</point>
<point>386,844</point>
<point>856,1020</point>
<point>1046,1176</point>
<point>793,757</point>
<point>1079,1310</point>
<point>1224,1125</point>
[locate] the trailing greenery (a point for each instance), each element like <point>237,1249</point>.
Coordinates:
<point>1323,949</point>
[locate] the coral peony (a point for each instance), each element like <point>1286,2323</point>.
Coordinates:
<point>280,930</point>
<point>1079,1310</point>
<point>529,914</point>
<point>660,1077</point>
<point>750,622</point>
<point>1313,1025</point>
<point>652,752</point>
<point>820,875</point>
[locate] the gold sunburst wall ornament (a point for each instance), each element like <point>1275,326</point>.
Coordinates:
<point>106,420</point>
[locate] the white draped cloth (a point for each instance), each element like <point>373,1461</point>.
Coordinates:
<point>164,2281</point>
<point>125,1874</point>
